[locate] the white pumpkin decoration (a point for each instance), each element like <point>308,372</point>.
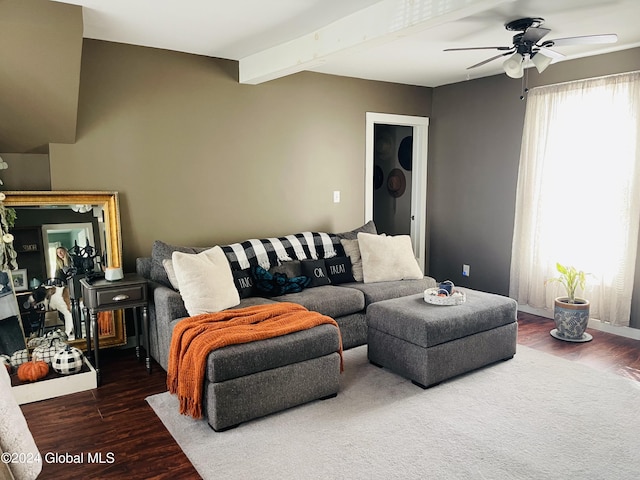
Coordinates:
<point>19,357</point>
<point>48,350</point>
<point>53,334</point>
<point>68,360</point>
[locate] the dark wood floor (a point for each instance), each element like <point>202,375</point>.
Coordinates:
<point>116,420</point>
<point>607,352</point>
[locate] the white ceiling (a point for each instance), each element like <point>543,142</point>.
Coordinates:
<point>389,40</point>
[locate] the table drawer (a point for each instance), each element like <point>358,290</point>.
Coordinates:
<point>116,297</point>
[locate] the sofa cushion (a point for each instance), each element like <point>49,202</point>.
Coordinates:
<point>161,251</point>
<point>329,300</point>
<point>237,361</point>
<point>316,271</point>
<point>368,227</point>
<point>251,301</point>
<point>205,281</point>
<point>376,292</point>
<point>386,258</point>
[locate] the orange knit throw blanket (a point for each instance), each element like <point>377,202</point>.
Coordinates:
<point>194,337</point>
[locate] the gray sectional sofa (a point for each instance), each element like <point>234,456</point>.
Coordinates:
<point>345,303</point>
<point>280,372</point>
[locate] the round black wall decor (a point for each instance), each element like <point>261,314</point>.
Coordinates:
<point>405,153</point>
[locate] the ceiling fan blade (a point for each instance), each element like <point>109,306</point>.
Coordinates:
<point>534,34</point>
<point>551,53</point>
<point>585,40</point>
<point>476,48</point>
<point>490,59</point>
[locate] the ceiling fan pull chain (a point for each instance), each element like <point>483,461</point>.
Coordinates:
<point>525,84</point>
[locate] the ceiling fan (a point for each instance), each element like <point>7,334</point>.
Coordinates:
<point>526,45</point>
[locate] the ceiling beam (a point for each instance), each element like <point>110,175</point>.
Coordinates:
<point>381,23</point>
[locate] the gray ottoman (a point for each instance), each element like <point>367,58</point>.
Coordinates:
<point>254,379</point>
<point>430,343</point>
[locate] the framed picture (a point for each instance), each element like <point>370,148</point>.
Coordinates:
<point>20,280</point>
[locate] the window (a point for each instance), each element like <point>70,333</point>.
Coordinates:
<point>578,196</point>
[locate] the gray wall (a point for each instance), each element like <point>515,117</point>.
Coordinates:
<point>27,171</point>
<point>474,136</point>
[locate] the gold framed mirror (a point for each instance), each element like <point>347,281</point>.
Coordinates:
<point>46,220</point>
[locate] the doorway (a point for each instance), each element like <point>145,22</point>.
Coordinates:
<point>396,177</point>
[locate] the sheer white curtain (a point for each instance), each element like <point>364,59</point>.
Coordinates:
<point>578,195</point>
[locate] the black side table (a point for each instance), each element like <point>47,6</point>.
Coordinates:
<point>103,295</point>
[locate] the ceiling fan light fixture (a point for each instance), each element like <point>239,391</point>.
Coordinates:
<point>513,66</point>
<point>541,61</point>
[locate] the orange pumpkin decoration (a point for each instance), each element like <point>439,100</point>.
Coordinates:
<point>32,371</point>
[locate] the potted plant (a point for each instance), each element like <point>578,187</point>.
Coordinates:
<point>570,313</point>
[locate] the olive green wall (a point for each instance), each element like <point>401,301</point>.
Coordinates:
<point>200,159</point>
<point>27,171</point>
<point>40,49</point>
<point>475,132</point>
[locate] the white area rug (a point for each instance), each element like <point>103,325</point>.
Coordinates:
<point>533,417</point>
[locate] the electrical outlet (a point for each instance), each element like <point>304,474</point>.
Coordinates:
<point>465,270</point>
<point>336,196</point>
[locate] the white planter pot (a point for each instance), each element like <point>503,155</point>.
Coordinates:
<point>571,320</point>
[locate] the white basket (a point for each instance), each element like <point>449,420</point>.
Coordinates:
<point>439,296</point>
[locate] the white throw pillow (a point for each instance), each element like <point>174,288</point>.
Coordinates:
<point>387,258</point>
<point>205,281</point>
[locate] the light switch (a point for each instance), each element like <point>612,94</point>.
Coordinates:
<point>336,196</point>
